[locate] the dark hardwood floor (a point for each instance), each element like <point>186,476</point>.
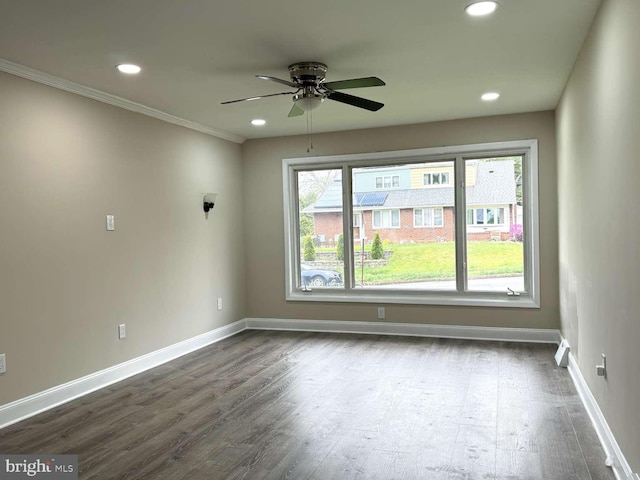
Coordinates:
<point>275,405</point>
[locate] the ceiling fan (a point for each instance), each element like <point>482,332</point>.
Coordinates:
<point>308,78</point>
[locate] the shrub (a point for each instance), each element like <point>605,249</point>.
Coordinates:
<point>340,248</point>
<point>377,252</point>
<point>309,250</point>
<point>516,232</point>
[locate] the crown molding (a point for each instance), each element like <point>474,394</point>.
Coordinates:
<point>69,86</point>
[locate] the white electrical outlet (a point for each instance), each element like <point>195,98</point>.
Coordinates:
<point>219,304</point>
<point>111,223</point>
<point>122,331</point>
<point>380,313</point>
<point>3,363</point>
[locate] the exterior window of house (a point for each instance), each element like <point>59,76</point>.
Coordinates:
<point>388,181</point>
<point>427,217</point>
<point>441,178</point>
<point>484,251</point>
<point>386,218</point>
<point>486,216</point>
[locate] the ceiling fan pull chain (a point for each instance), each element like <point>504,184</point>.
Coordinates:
<point>309,146</point>
<point>311,130</point>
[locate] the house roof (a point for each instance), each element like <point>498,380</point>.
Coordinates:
<point>494,185</point>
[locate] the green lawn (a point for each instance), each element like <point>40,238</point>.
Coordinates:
<point>436,261</point>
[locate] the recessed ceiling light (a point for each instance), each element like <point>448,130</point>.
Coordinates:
<point>479,9</point>
<point>128,68</point>
<point>258,122</point>
<point>490,96</point>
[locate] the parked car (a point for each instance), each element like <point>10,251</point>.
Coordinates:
<point>315,277</point>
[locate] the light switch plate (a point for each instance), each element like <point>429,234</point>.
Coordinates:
<point>111,223</point>
<point>3,363</point>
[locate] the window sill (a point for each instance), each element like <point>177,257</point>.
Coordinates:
<point>479,299</point>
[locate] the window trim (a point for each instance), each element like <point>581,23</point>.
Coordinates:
<point>357,215</point>
<point>390,177</point>
<point>461,297</point>
<point>433,224</point>
<point>391,226</point>
<point>440,176</point>
<point>484,208</point>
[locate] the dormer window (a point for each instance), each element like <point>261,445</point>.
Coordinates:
<point>388,181</point>
<point>440,178</point>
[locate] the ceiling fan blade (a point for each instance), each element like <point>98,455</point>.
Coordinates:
<point>279,80</point>
<point>355,101</point>
<point>354,83</point>
<point>258,98</point>
<point>296,111</point>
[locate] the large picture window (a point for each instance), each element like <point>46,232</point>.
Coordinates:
<point>386,218</point>
<point>427,217</point>
<point>356,234</point>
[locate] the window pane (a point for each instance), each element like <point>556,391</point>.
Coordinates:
<point>495,256</point>
<point>387,182</point>
<point>416,255</point>
<point>395,218</point>
<point>417,217</point>
<point>490,216</point>
<point>445,178</point>
<point>320,227</point>
<point>378,182</point>
<point>428,217</point>
<point>437,217</point>
<point>436,178</point>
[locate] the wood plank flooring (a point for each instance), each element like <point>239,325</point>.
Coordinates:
<point>291,405</point>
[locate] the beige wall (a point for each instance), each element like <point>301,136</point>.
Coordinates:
<point>65,283</point>
<point>265,226</point>
<point>598,123</point>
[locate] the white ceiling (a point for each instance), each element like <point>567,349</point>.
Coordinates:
<point>435,59</point>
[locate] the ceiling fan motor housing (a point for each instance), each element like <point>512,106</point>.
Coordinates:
<point>308,73</point>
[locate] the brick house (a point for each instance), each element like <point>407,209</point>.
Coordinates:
<point>415,203</point>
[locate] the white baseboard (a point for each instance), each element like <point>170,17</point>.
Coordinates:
<point>408,329</point>
<point>32,405</point>
<point>615,457</point>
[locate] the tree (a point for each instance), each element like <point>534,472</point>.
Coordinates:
<point>306,225</point>
<point>340,248</point>
<point>309,249</point>
<point>377,252</point>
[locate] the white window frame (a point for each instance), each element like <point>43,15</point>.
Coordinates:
<point>505,216</point>
<point>530,298</point>
<point>390,218</point>
<point>357,219</point>
<point>383,179</point>
<point>433,217</point>
<point>431,176</point>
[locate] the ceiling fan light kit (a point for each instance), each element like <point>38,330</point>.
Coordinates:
<point>308,78</point>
